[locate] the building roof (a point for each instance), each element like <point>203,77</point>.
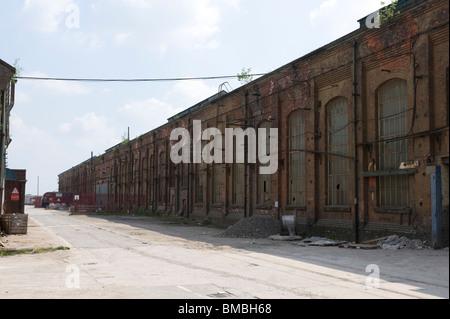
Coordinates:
<point>6,73</point>
<point>197,106</point>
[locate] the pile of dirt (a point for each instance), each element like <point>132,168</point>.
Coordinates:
<point>252,227</point>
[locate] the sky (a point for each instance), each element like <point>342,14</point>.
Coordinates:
<point>55,125</point>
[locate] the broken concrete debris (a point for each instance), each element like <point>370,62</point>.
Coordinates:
<point>269,227</point>
<point>320,241</point>
<point>395,242</point>
<point>285,238</point>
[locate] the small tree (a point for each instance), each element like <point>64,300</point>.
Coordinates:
<point>388,12</point>
<point>18,68</point>
<point>125,139</point>
<point>245,76</point>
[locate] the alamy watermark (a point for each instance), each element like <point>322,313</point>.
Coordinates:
<point>373,280</point>
<point>234,152</point>
<point>373,20</point>
<point>73,17</point>
<point>73,279</point>
<point>376,19</point>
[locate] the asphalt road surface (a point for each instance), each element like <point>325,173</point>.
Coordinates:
<point>148,258</point>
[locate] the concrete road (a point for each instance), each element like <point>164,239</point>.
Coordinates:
<point>145,257</point>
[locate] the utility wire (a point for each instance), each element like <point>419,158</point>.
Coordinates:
<point>135,80</point>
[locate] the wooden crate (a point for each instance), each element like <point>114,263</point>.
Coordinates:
<point>14,224</point>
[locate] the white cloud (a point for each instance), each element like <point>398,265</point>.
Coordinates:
<point>326,9</point>
<point>337,17</point>
<point>22,97</point>
<point>123,37</point>
<point>46,15</point>
<point>90,40</point>
<point>37,151</point>
<point>190,92</point>
<point>57,87</point>
<point>90,132</point>
<point>143,116</point>
<point>202,25</point>
<point>28,137</point>
<point>141,4</point>
<point>146,115</point>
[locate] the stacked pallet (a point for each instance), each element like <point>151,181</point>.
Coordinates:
<point>14,224</point>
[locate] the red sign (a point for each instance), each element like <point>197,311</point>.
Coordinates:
<point>15,195</point>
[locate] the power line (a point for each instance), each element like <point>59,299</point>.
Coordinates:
<point>134,80</point>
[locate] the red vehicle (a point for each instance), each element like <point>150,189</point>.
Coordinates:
<point>58,198</point>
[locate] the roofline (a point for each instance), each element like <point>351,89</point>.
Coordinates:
<point>406,4</point>
<point>3,63</point>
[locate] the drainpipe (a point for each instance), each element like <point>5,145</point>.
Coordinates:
<point>2,150</point>
<point>154,173</point>
<point>246,182</point>
<point>188,199</point>
<point>355,151</point>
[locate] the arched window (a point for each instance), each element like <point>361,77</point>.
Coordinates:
<point>151,180</point>
<point>392,123</point>
<point>297,159</point>
<point>199,182</point>
<point>162,178</point>
<point>264,180</point>
<point>338,164</point>
<point>238,183</point>
<point>217,183</point>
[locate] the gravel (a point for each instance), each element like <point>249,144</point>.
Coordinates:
<point>252,227</point>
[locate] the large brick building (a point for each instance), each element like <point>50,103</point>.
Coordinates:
<point>362,125</point>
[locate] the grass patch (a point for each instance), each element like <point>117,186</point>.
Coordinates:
<point>14,252</point>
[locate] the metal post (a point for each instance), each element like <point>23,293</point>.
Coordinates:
<point>246,182</point>
<point>2,149</point>
<point>355,142</point>
<point>436,207</point>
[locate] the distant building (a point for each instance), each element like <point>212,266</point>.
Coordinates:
<point>362,126</point>
<point>29,199</point>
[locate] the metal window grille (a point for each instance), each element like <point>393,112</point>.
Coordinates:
<point>338,167</point>
<point>393,122</point>
<point>296,159</point>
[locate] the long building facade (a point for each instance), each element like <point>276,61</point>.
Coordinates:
<point>362,135</point>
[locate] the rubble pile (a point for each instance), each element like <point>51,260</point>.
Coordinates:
<point>320,241</point>
<point>252,227</point>
<point>395,242</point>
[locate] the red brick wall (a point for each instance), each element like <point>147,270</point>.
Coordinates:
<point>413,47</point>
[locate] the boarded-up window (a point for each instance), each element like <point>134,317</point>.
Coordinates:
<point>297,159</point>
<point>338,165</point>
<point>393,122</point>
